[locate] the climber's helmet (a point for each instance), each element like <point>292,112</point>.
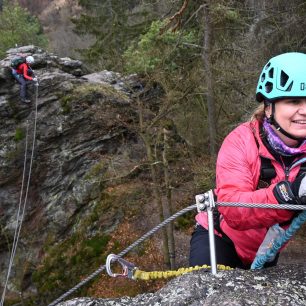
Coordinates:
<point>283,77</point>
<point>30,59</point>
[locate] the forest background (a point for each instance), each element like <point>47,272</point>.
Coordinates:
<point>204,57</point>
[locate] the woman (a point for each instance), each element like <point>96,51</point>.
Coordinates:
<point>23,74</point>
<point>276,133</point>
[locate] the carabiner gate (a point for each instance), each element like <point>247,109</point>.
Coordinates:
<point>127,267</point>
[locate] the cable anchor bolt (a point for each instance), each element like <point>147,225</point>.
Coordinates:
<point>202,201</point>
<point>127,267</point>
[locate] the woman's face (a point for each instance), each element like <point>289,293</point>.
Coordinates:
<point>290,114</point>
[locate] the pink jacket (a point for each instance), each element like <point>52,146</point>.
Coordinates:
<point>238,171</point>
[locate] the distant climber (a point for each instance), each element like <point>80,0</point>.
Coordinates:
<point>23,73</point>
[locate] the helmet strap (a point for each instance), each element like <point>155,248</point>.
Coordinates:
<point>272,121</point>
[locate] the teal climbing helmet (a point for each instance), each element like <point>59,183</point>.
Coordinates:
<point>284,76</point>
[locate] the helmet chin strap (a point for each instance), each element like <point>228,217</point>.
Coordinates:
<point>272,121</point>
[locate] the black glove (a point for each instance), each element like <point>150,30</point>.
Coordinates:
<point>291,193</point>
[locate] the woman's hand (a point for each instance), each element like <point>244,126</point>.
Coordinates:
<point>291,193</point>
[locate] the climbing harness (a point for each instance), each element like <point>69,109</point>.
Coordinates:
<point>22,207</point>
<point>129,270</point>
<point>203,202</point>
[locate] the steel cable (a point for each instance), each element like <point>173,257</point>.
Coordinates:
<point>21,216</point>
<point>262,205</point>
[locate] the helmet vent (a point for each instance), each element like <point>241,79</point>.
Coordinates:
<point>289,87</point>
<point>268,65</point>
<point>283,78</point>
<point>263,77</point>
<point>268,87</point>
<point>271,72</point>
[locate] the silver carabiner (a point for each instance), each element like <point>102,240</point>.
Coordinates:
<point>127,267</point>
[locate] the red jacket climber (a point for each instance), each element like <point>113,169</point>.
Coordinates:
<point>23,74</point>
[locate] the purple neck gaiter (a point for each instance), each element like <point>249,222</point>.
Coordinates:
<point>277,144</point>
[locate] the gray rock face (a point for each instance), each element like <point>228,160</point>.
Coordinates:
<point>277,286</point>
<point>77,129</point>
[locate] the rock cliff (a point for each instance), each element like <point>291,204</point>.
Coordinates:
<point>82,139</point>
<point>278,286</point>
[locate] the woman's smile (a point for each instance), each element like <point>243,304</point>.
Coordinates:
<point>290,114</point>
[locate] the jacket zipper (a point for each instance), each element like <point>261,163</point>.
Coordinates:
<point>287,172</point>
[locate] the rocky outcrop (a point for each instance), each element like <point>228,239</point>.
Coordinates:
<point>278,286</point>
<point>82,134</point>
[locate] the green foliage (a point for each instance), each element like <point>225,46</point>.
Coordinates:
<point>114,25</point>
<point>88,93</point>
<point>19,134</point>
<point>97,170</point>
<point>185,222</point>
<point>223,14</point>
<point>77,253</point>
<point>18,27</point>
<point>95,91</point>
<point>65,103</point>
<point>155,49</point>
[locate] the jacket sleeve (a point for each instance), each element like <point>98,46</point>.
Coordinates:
<point>237,174</point>
<point>25,72</point>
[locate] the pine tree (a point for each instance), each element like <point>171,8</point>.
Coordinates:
<point>18,27</point>
<point>114,24</point>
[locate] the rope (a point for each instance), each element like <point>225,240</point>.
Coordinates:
<point>143,275</point>
<point>260,260</point>
<point>21,216</point>
<point>15,241</point>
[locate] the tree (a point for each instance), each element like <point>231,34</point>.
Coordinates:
<point>114,24</point>
<point>158,56</point>
<point>208,77</point>
<point>19,28</point>
<point>279,26</point>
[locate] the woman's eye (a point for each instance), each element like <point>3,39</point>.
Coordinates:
<point>295,102</point>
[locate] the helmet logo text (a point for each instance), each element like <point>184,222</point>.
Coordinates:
<point>302,86</point>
